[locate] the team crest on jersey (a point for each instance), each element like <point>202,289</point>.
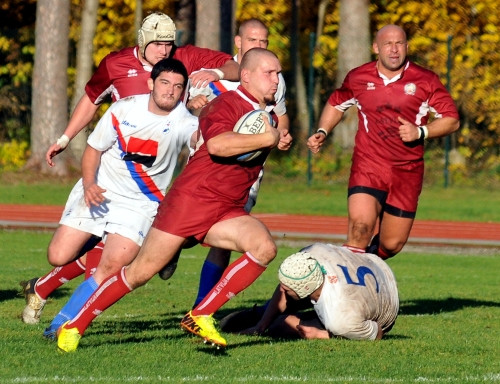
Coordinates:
<point>370,86</point>
<point>132,72</point>
<point>410,89</point>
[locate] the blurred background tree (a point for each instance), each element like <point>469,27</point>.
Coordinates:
<point>458,40</point>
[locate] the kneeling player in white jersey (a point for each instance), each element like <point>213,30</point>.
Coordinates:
<point>354,296</point>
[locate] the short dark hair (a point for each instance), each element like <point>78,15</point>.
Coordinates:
<point>170,65</point>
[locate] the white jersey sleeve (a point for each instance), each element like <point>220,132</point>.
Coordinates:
<point>359,292</point>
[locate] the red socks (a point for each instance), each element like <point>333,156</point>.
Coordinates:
<point>237,276</point>
<point>109,292</point>
<point>354,249</point>
<point>61,275</point>
<point>93,258</point>
<point>57,277</point>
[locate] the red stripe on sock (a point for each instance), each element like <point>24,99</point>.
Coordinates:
<point>354,249</point>
<point>93,257</point>
<point>237,276</point>
<point>109,292</point>
<point>57,277</point>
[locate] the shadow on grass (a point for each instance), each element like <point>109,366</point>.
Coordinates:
<point>143,330</point>
<point>436,306</point>
<point>11,294</point>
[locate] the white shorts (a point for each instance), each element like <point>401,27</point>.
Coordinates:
<point>119,215</point>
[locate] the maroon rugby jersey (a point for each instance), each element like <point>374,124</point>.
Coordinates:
<point>121,74</point>
<point>415,95</point>
<point>223,179</point>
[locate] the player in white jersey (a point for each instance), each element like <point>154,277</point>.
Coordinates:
<point>354,296</point>
<point>126,168</point>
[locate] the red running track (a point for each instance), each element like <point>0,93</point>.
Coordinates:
<point>285,226</point>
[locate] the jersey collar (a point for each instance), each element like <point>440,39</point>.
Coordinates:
<point>395,78</point>
<point>252,100</point>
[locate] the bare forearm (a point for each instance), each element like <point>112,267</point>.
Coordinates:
<point>276,306</point>
<point>442,127</point>
<point>81,117</point>
<point>230,70</point>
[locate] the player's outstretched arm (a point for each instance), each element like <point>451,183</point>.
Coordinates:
<point>330,117</point>
<point>201,78</point>
<point>277,305</point>
<point>81,117</point>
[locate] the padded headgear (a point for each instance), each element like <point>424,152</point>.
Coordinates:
<point>155,27</point>
<point>301,273</point>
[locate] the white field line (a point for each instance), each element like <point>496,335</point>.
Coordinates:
<point>488,378</point>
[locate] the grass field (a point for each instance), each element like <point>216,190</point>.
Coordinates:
<point>448,330</point>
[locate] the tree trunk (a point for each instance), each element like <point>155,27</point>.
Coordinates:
<point>184,22</point>
<point>137,15</point>
<point>208,24</point>
<point>354,50</point>
<point>50,81</point>
<point>302,113</point>
<point>84,67</point>
<point>319,31</point>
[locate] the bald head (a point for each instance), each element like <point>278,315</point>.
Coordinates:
<point>251,23</point>
<point>252,33</point>
<point>259,74</point>
<point>253,57</point>
<point>392,30</point>
<point>391,47</point>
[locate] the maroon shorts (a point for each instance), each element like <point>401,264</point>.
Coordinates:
<point>186,216</point>
<point>399,186</point>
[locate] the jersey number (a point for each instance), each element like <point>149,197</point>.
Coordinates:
<point>361,272</point>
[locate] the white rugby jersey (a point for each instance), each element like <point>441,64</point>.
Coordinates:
<point>140,149</point>
<point>214,89</point>
<point>359,291</point>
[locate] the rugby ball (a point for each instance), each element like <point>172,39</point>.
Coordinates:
<point>252,123</point>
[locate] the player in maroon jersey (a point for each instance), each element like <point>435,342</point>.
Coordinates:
<point>400,104</point>
<point>125,72</point>
<point>216,184</point>
<point>122,74</point>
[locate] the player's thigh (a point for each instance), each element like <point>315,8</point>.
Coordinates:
<point>243,234</point>
<point>65,244</point>
<point>118,252</point>
<point>157,250</point>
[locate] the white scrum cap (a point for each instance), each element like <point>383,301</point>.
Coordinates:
<point>155,27</point>
<point>301,273</point>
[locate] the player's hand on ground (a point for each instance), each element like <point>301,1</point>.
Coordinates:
<point>307,332</point>
<point>408,132</point>
<point>315,142</point>
<point>285,140</point>
<point>252,331</point>
<point>93,195</point>
<point>52,152</point>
